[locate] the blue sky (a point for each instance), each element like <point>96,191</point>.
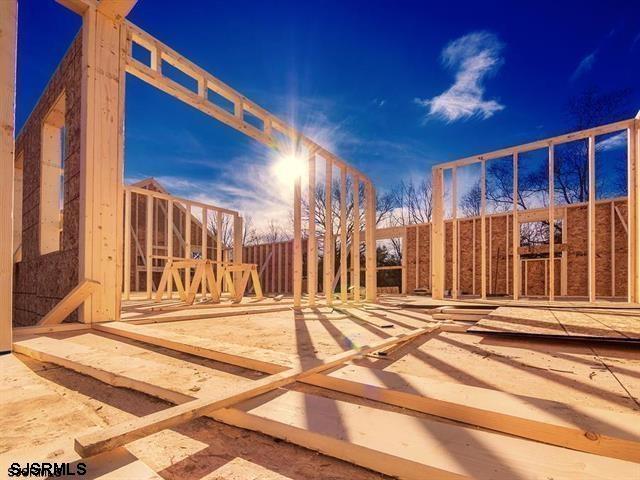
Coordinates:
<point>392,87</point>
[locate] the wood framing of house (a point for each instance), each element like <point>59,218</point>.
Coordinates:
<point>439,251</point>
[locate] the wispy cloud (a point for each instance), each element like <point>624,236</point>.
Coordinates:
<point>475,57</point>
<point>584,66</point>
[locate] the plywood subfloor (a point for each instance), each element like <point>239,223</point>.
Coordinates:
<point>623,325</point>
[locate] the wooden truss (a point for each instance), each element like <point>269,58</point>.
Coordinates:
<point>632,224</point>
<point>209,276</point>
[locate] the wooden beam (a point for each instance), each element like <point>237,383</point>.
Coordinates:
<point>148,251</point>
<point>591,209</point>
<point>116,9</point>
<point>127,245</point>
<point>437,234</point>
<point>101,221</point>
<point>355,240</point>
<point>552,225</point>
<point>170,229</point>
<point>483,229</point>
<point>8,45</point>
<point>312,249</point>
<point>297,243</point>
<point>343,235</point>
<point>454,233</point>
<point>371,248</point>
<point>69,303</point>
<point>515,248</point>
<point>121,434</point>
<point>328,266</point>
<point>633,211</point>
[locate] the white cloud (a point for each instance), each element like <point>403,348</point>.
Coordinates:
<point>584,66</point>
<point>475,57</point>
<point>614,142</point>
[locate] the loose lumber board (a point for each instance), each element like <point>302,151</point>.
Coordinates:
<point>126,432</point>
<point>614,434</point>
<point>353,432</point>
<point>587,429</point>
<point>413,448</point>
<point>568,323</point>
<point>197,314</point>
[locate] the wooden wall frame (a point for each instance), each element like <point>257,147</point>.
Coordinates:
<point>631,126</point>
<point>107,55</point>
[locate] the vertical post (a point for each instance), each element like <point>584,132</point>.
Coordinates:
<point>633,210</point>
<point>238,248</point>
<point>417,272</point>
<point>370,234</point>
<point>437,235</point>
<point>327,284</point>
<point>483,227</point>
<point>187,243</point>
<point>170,243</point>
<point>312,250</point>
<point>517,284</point>
<point>592,219</point>
<point>127,245</point>
<point>297,244</point>
<point>355,240</point>
<point>343,235</point>
<point>454,233</point>
<point>101,162</point>
<point>552,225</point>
<point>612,214</point>
<point>205,231</point>
<point>8,43</point>
<point>148,237</point>
<point>219,253</point>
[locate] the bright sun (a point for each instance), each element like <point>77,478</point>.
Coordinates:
<point>288,167</point>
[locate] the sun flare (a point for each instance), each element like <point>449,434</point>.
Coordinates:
<point>289,167</point>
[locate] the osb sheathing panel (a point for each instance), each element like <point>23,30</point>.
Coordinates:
<point>500,255</point>
<point>42,281</point>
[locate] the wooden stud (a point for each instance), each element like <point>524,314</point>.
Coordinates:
<point>633,211</point>
<point>149,245</point>
<point>371,248</point>
<point>515,249</point>
<point>237,243</point>
<point>187,241</point>
<point>328,268</point>
<point>170,228</point>
<point>297,243</point>
<point>483,229</point>
<point>343,235</point>
<point>312,250</point>
<point>591,234</point>
<point>203,241</point>
<point>127,244</point>
<point>454,233</point>
<point>417,272</point>
<point>552,224</point>
<point>437,264</point>
<point>355,240</point>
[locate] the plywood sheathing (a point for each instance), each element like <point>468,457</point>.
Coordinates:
<point>40,282</point>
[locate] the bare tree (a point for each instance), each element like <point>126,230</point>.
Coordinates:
<point>471,201</point>
<point>414,202</point>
